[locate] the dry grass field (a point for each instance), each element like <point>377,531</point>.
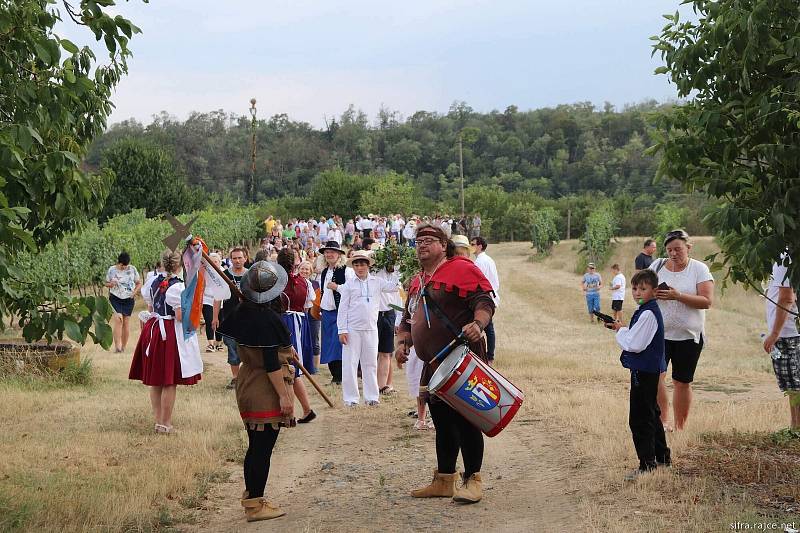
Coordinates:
<point>84,458</point>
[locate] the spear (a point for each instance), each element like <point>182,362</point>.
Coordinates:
<point>182,234</point>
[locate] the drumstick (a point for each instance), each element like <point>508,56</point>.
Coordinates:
<point>458,340</point>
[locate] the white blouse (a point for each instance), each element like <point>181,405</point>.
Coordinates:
<point>682,322</point>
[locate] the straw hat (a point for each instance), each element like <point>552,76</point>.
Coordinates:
<point>360,255</point>
<point>461,241</point>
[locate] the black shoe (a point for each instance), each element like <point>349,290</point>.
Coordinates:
<point>665,461</point>
<point>308,418</point>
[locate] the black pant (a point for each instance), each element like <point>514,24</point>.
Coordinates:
<point>208,316</point>
<point>256,461</point>
<point>490,341</point>
<point>335,368</point>
<point>645,421</point>
<point>454,433</point>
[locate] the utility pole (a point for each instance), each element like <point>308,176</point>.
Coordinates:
<point>252,188</point>
<point>461,169</point>
<point>569,217</point>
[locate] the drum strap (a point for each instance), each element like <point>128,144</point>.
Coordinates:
<point>439,313</point>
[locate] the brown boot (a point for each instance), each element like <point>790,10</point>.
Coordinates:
<point>442,486</point>
<point>471,491</point>
<point>260,509</point>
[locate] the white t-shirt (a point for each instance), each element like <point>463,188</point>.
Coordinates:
<point>487,265</point>
<point>777,281</point>
<point>618,294</point>
<point>126,279</point>
<point>682,322</point>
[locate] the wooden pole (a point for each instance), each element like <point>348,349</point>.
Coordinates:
<point>569,221</point>
<point>235,290</point>
<point>461,170</point>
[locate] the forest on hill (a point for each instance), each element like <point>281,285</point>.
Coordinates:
<point>569,149</point>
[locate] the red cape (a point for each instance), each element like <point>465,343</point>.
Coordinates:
<point>458,273</point>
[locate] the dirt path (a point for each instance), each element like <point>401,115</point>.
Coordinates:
<point>352,470</point>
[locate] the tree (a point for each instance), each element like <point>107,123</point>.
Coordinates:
<point>544,230</point>
<point>146,178</point>
<point>737,138</point>
<point>391,194</point>
<point>54,99</point>
<point>337,192</point>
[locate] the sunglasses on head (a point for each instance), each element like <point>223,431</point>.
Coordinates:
<point>676,234</point>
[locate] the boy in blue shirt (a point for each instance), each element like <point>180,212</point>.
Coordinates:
<point>591,287</point>
<point>642,346</point>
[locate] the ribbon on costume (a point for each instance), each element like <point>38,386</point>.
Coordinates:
<point>162,330</point>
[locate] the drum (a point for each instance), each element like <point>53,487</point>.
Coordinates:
<point>476,391</point>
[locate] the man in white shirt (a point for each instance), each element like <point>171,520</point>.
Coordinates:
<point>410,232</point>
<point>358,328</point>
<point>783,340</point>
<point>487,265</point>
<point>617,292</point>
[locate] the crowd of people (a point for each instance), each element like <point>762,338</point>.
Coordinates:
<point>313,296</point>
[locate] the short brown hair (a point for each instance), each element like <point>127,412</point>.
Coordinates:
<point>645,277</point>
<point>239,249</point>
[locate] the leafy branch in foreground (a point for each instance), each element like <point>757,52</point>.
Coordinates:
<point>738,138</point>
<point>55,98</point>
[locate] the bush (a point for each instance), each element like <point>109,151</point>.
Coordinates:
<point>544,231</point>
<point>600,229</point>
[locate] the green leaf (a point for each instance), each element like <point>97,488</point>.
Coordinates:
<point>35,134</point>
<point>42,54</point>
<point>73,331</point>
<point>104,334</point>
<point>69,46</point>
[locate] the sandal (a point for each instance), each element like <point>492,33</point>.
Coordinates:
<point>211,348</point>
<point>387,390</point>
<point>161,428</point>
<point>420,425</point>
<point>429,424</point>
<point>413,414</point>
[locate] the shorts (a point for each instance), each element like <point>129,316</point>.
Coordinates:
<point>593,301</point>
<point>684,356</point>
<point>121,306</point>
<point>386,331</point>
<point>616,305</point>
<point>233,351</point>
<point>787,366</point>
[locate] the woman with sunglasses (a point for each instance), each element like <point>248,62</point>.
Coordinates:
<point>685,291</point>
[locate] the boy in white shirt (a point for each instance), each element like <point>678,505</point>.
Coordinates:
<point>357,322</point>
<point>617,292</point>
<point>642,344</point>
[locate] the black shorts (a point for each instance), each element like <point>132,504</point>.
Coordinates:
<point>684,356</point>
<point>616,305</point>
<point>386,331</point>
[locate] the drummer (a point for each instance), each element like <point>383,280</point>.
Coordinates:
<point>449,295</point>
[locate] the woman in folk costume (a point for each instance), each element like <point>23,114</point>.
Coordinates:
<point>264,388</point>
<point>300,296</point>
<point>333,273</point>
<point>164,358</point>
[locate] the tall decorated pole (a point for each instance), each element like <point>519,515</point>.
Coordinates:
<point>252,188</point>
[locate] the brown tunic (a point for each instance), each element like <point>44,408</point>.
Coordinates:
<point>477,304</point>
<point>258,401</point>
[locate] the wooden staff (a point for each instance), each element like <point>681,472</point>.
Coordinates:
<point>235,290</point>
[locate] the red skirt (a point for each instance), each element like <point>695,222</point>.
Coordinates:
<point>162,366</point>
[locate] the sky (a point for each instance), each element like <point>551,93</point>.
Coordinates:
<point>311,59</point>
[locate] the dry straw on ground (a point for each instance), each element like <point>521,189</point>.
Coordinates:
<point>85,458</point>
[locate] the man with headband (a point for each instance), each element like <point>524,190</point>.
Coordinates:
<point>450,294</point>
